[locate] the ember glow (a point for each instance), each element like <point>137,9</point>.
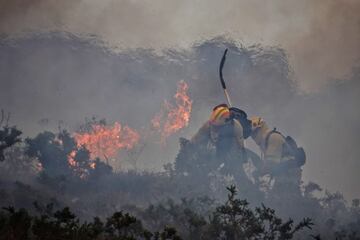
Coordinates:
<point>172,118</point>
<point>81,172</point>
<point>38,167</point>
<point>71,159</point>
<point>106,141</point>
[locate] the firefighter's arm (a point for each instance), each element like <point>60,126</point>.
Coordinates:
<point>202,134</point>
<point>239,134</point>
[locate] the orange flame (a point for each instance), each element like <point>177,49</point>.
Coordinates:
<point>106,141</point>
<point>82,173</point>
<point>173,118</point>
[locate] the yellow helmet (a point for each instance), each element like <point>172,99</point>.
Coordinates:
<point>220,115</point>
<point>256,122</point>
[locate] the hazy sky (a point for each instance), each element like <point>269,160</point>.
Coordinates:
<point>321,37</point>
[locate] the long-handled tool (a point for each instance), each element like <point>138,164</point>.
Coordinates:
<point>222,79</point>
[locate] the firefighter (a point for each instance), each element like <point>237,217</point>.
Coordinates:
<point>222,137</point>
<point>221,131</point>
<point>282,159</point>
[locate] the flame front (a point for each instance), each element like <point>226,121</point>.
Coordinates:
<point>107,141</point>
<point>104,141</point>
<point>173,118</point>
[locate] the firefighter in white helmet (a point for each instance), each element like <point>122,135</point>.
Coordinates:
<point>282,158</point>
<point>270,145</point>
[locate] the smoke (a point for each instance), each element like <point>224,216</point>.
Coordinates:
<point>320,37</point>
<point>327,48</point>
<point>56,79</point>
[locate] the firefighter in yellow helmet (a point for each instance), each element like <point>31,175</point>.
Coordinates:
<point>221,137</point>
<point>221,131</point>
<point>282,158</point>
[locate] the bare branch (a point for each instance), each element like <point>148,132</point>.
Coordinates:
<point>8,119</point>
<point>2,116</point>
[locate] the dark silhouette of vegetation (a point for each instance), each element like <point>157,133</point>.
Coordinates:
<point>100,192</point>
<point>8,135</point>
<point>232,220</point>
<point>103,192</point>
<point>63,224</point>
<point>53,151</point>
<point>235,220</point>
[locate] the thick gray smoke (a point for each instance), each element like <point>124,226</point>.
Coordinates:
<point>48,78</point>
<point>322,38</point>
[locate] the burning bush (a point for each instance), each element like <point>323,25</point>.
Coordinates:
<point>59,154</point>
<point>172,118</point>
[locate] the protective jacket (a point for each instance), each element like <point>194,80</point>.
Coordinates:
<point>222,137</point>
<point>280,154</point>
<point>271,146</point>
<point>225,143</point>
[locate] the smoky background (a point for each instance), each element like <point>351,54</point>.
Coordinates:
<point>58,79</point>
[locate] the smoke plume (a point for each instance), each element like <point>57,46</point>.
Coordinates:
<point>320,37</point>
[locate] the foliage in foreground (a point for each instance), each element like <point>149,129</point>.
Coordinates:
<point>232,220</point>
<point>59,183</point>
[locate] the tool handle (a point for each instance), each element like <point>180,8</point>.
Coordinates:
<point>227,97</point>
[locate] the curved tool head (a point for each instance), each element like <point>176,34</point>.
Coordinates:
<point>221,67</point>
